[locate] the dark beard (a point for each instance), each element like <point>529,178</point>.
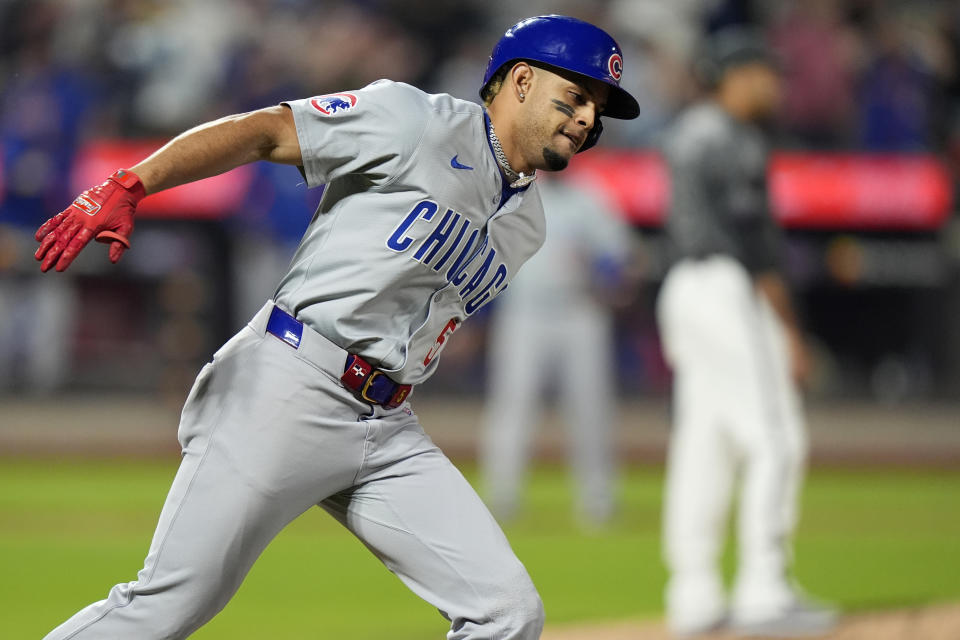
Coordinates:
<point>555,162</point>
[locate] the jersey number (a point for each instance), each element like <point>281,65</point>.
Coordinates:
<point>450,327</point>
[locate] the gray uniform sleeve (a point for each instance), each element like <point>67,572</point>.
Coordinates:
<point>374,132</point>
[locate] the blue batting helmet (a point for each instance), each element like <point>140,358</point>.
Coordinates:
<point>571,44</point>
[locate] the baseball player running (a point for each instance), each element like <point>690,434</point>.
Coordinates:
<point>429,210</point>
<point>736,350</point>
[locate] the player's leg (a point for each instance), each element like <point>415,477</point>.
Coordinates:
<point>513,406</point>
<point>255,455</point>
<point>48,342</point>
<point>10,334</point>
<point>765,600</point>
<point>724,371</point>
<point>790,403</point>
<point>418,514</point>
<point>773,458</point>
<point>695,320</point>
<point>762,559</point>
<point>588,399</point>
<point>699,479</point>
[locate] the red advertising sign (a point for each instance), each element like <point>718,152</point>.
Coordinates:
<point>807,190</point>
<point>635,182</point>
<point>858,191</point>
<point>838,191</point>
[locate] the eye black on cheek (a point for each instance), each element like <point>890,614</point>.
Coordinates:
<point>563,107</point>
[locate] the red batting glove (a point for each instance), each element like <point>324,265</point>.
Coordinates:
<point>104,212</point>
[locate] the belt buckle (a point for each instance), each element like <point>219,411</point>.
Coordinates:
<point>366,385</point>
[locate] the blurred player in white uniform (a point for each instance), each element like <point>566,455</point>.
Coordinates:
<point>429,211</point>
<point>552,331</point>
<point>737,352</point>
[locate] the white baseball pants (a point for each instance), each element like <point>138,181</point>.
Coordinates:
<point>736,411</point>
<point>268,431</point>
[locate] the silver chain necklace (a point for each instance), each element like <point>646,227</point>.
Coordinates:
<point>517,179</point>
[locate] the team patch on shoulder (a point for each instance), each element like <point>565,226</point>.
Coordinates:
<point>334,103</point>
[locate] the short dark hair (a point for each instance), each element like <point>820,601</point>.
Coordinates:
<point>492,88</point>
<point>729,48</point>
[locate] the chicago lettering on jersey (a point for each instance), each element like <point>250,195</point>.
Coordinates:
<point>452,244</point>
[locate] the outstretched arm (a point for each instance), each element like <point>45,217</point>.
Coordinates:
<point>216,147</point>
<point>105,212</point>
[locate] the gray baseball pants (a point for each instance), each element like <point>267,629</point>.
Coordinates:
<point>268,431</point>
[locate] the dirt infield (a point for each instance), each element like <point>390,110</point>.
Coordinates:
<point>941,622</point>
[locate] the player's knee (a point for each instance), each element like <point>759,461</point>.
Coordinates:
<point>523,616</point>
<point>183,619</point>
<point>170,609</point>
<point>535,615</point>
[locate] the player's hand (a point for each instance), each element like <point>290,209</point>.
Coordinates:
<point>104,212</point>
<point>801,367</point>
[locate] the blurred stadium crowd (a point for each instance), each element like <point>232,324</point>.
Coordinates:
<point>866,75</point>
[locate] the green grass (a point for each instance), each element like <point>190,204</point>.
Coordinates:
<point>69,530</point>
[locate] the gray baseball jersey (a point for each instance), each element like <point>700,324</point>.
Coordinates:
<point>718,190</point>
<point>415,231</point>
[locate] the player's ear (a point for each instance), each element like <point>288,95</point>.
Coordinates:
<point>521,79</point>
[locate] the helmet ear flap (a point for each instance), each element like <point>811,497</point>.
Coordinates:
<point>593,136</point>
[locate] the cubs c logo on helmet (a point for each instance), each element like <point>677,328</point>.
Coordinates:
<point>334,103</point>
<point>615,65</point>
